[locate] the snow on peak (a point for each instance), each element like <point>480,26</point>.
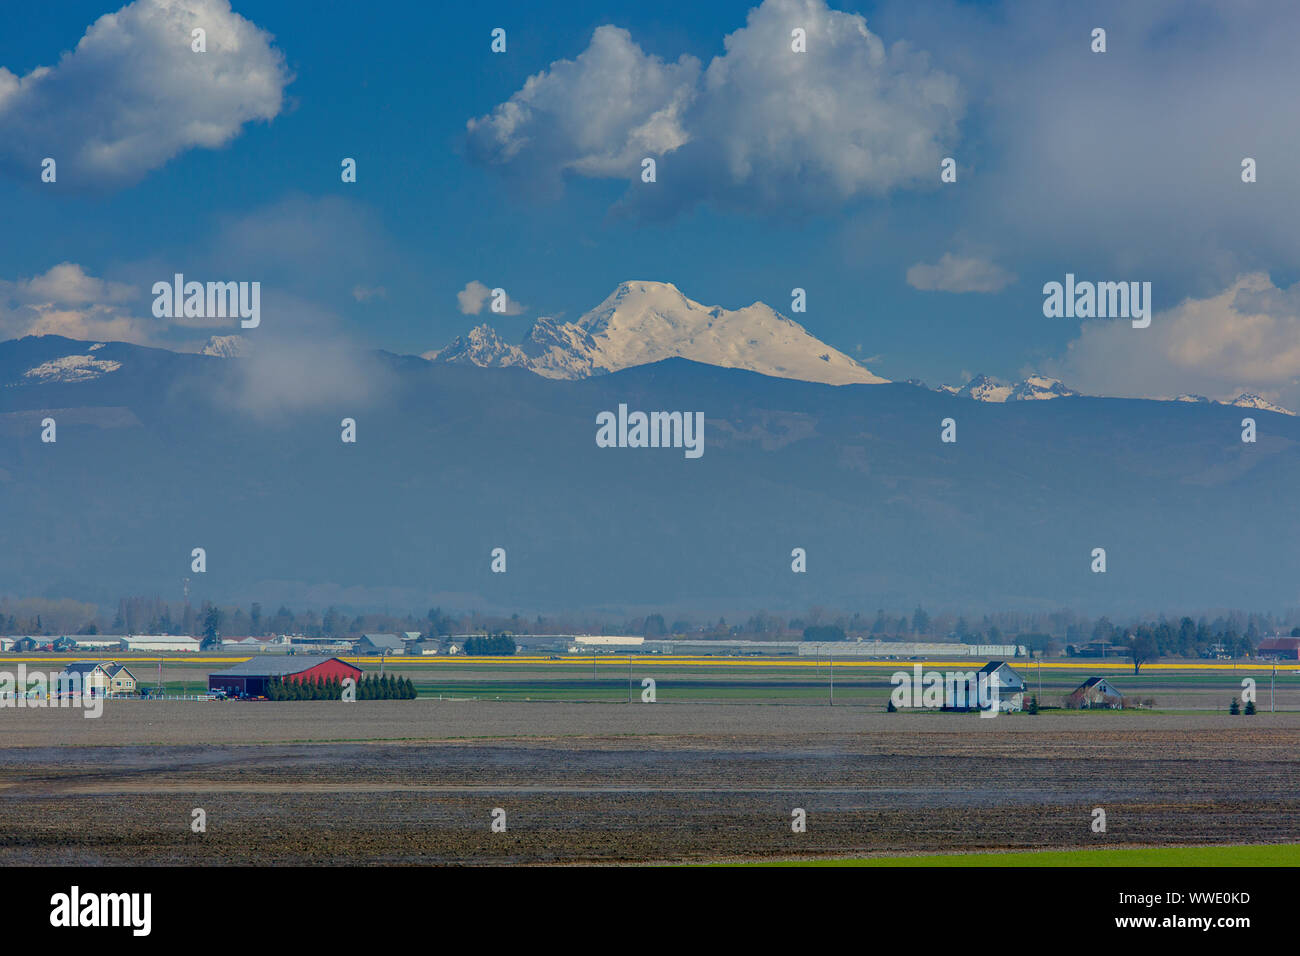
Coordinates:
<point>71,368</point>
<point>1040,388</point>
<point>985,388</point>
<point>1251,400</point>
<point>643,322</point>
<point>482,346</point>
<point>226,346</point>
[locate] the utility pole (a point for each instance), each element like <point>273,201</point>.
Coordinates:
<point>1271,678</point>
<point>629,678</point>
<point>830,659</point>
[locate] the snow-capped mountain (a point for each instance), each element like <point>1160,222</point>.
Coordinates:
<point>226,346</point>
<point>1244,400</point>
<point>982,388</point>
<point>1039,388</point>
<point>644,322</point>
<point>481,346</point>
<point>985,388</point>
<point>71,368</point>
<point>1251,400</point>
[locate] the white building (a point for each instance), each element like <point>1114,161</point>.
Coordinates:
<point>601,640</point>
<point>154,643</point>
<point>98,642</point>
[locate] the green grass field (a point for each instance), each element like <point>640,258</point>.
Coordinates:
<point>1287,854</point>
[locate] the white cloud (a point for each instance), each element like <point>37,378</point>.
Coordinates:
<point>1128,161</point>
<point>474,296</point>
<point>597,115</point>
<point>959,274</point>
<point>471,298</point>
<point>364,293</point>
<point>762,128</point>
<point>307,254</point>
<point>67,301</point>
<point>132,94</point>
<point>1246,338</point>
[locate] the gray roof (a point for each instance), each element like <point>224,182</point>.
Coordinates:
<point>275,666</point>
<point>1015,683</point>
<point>1093,682</point>
<point>86,667</point>
<point>391,641</point>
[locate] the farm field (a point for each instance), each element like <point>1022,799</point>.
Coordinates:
<point>1169,685</point>
<point>416,782</point>
<point>1282,854</point>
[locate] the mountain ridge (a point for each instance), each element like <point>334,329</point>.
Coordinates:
<point>169,452</point>
<point>642,322</point>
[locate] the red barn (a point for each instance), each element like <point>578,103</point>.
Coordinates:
<point>1280,648</point>
<point>251,678</point>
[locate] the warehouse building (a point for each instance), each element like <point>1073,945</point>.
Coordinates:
<point>154,643</point>
<point>1280,649</point>
<point>251,678</point>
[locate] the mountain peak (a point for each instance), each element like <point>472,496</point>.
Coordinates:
<point>985,388</point>
<point>645,287</point>
<point>642,322</point>
<point>226,346</point>
<point>1251,400</point>
<point>481,345</point>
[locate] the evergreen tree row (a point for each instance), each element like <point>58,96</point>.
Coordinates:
<point>496,644</point>
<point>370,687</point>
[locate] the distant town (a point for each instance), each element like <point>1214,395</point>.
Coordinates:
<point>153,626</point>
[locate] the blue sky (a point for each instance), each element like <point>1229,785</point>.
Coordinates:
<point>1123,165</point>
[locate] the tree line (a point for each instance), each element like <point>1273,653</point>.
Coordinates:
<point>502,645</point>
<point>370,687</point>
